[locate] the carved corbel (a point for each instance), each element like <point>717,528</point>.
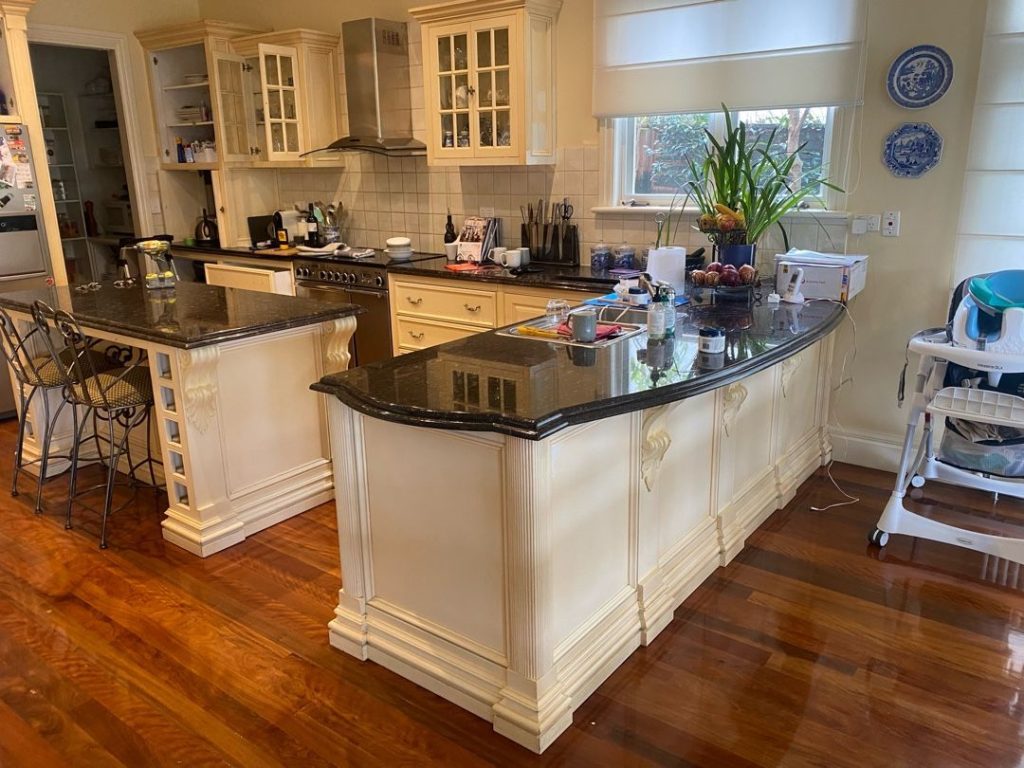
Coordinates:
<point>199,385</point>
<point>732,400</point>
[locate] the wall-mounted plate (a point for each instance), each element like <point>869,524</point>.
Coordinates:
<point>919,76</point>
<point>912,150</point>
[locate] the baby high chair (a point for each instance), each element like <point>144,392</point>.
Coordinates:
<point>969,374</point>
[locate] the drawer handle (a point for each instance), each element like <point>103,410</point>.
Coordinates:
<point>472,309</point>
<point>413,301</point>
<point>417,336</point>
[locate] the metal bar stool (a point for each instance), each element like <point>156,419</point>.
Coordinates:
<point>116,397</point>
<point>33,366</point>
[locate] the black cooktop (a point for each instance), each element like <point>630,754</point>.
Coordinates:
<point>379,258</point>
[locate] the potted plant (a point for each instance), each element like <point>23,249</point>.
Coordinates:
<point>740,190</point>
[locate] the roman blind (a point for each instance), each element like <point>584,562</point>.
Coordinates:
<point>991,231</point>
<point>666,56</point>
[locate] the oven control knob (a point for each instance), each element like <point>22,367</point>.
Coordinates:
<point>323,274</point>
<point>346,277</point>
<point>352,278</point>
<point>379,281</point>
<point>337,277</point>
<point>302,272</point>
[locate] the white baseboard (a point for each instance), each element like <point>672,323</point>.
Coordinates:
<point>866,449</point>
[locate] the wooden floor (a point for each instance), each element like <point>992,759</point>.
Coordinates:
<point>810,649</point>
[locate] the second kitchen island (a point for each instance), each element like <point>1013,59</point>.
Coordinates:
<point>516,516</point>
<point>243,441</point>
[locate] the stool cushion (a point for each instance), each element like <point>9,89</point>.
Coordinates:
<point>132,390</point>
<point>51,376</point>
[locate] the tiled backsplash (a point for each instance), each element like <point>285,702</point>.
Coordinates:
<point>384,197</point>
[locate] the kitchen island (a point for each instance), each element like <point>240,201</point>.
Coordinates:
<point>517,515</point>
<point>243,441</point>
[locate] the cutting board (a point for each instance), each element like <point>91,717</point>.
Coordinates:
<point>277,252</point>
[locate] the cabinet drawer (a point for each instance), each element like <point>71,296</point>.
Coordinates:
<point>250,278</point>
<point>417,334</point>
<point>439,302</point>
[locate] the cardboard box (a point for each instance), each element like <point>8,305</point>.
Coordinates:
<point>834,276</point>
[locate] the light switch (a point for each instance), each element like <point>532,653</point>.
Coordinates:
<point>890,224</point>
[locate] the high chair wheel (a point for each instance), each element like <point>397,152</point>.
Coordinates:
<point>878,537</point>
<point>917,481</point>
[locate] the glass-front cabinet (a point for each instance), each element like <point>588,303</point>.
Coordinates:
<point>478,69</point>
<point>280,96</point>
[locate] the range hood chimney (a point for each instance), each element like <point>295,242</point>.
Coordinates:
<point>379,90</point>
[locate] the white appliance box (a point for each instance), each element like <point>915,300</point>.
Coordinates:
<point>834,276</point>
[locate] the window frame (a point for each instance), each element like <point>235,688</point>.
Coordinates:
<point>620,152</point>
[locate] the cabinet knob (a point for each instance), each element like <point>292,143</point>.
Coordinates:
<point>417,336</point>
<point>472,309</point>
<point>414,302</point>
<point>221,209</point>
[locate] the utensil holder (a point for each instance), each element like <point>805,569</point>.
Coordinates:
<point>547,247</point>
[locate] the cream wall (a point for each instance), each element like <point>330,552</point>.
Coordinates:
<point>908,279</point>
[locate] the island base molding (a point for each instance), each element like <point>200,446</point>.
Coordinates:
<point>515,576</point>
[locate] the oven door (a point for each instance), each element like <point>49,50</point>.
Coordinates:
<point>372,339</point>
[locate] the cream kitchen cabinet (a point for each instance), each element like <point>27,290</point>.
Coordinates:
<point>265,280</point>
<point>430,311</point>
<point>489,81</point>
<point>186,64</point>
<point>291,93</point>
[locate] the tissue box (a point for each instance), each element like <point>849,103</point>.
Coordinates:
<point>834,276</point>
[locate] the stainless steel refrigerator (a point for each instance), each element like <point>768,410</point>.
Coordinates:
<point>23,261</point>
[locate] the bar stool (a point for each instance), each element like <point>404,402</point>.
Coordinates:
<point>117,397</point>
<point>35,370</point>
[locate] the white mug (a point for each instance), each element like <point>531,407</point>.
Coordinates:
<point>496,254</point>
<point>451,250</point>
<point>512,259</point>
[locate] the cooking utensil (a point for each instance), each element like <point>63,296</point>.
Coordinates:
<point>206,230</point>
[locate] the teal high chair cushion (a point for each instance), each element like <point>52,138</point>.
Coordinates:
<point>999,291</point>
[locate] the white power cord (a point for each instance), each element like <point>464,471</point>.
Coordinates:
<point>848,359</point>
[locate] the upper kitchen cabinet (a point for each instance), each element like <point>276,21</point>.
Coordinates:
<point>291,98</point>
<point>197,93</point>
<point>489,81</point>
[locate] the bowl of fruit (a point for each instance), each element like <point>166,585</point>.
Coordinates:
<point>726,281</point>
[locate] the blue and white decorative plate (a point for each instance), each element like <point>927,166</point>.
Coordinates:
<point>912,150</point>
<point>920,76</point>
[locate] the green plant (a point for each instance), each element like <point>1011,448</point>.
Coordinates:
<point>740,189</point>
<point>666,227</point>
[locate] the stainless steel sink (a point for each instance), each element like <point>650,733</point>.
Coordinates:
<point>543,324</point>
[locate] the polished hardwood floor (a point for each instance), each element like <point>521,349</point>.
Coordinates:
<point>810,649</point>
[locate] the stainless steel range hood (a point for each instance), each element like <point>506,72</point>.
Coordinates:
<point>379,90</point>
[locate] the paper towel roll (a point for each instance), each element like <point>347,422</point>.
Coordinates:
<point>668,265</point>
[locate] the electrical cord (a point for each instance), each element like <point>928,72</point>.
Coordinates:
<point>848,359</point>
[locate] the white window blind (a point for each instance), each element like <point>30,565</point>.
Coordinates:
<point>991,231</point>
<point>669,56</point>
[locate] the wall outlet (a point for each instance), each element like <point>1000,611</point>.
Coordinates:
<point>487,213</point>
<point>890,224</point>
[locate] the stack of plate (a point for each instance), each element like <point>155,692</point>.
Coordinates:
<point>399,248</point>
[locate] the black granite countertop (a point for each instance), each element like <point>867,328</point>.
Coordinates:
<point>187,316</point>
<point>528,387</point>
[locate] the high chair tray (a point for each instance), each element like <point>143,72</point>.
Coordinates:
<point>979,405</point>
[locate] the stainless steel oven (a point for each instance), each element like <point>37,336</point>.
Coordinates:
<point>352,283</point>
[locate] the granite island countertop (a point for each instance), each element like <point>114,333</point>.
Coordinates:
<point>532,388</point>
<point>187,316</point>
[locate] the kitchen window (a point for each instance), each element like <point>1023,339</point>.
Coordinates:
<point>650,153</point>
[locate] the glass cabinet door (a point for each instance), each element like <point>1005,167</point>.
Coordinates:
<point>280,101</point>
<point>233,129</point>
<point>493,85</point>
<point>454,93</point>
<point>256,117</point>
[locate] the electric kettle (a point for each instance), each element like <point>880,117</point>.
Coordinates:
<point>206,231</point>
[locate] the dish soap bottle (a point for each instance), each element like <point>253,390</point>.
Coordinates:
<point>449,230</point>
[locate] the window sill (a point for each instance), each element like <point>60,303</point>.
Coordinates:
<point>649,210</point>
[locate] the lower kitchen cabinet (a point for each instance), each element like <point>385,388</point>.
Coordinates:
<point>251,278</point>
<point>430,311</point>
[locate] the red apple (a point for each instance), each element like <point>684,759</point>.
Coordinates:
<point>731,278</point>
<point>729,268</point>
<point>714,266</point>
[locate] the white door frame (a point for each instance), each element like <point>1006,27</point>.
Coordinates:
<point>124,77</point>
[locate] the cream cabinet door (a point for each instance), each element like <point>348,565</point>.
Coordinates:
<point>520,306</point>
<point>494,93</point>
<point>280,91</point>
<point>232,114</point>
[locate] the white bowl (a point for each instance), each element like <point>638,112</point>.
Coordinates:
<point>399,242</point>
<point>399,255</point>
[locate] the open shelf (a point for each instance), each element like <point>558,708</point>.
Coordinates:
<point>55,127</point>
<point>189,125</point>
<point>189,166</point>
<point>67,202</point>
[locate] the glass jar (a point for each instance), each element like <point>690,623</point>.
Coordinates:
<point>624,256</point>
<point>600,257</point>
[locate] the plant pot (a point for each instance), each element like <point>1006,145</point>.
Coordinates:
<point>737,255</point>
